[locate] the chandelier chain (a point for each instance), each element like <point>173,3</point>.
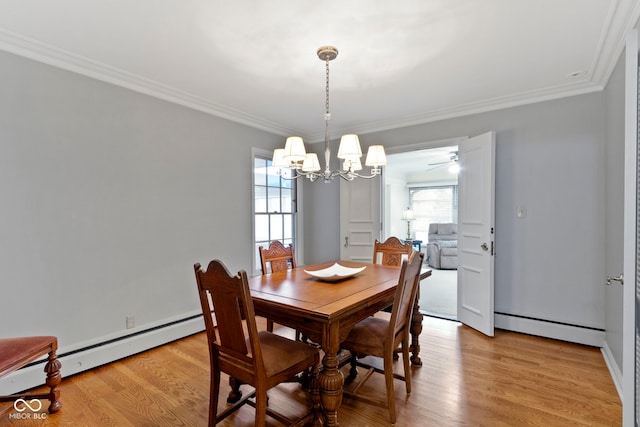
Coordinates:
<point>327,90</point>
<point>327,117</point>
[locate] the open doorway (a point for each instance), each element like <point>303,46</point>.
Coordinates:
<point>426,181</point>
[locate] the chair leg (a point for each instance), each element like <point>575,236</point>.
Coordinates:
<point>388,379</point>
<point>214,393</point>
<point>314,392</point>
<point>269,325</point>
<point>52,368</point>
<point>407,368</point>
<point>261,407</point>
<point>353,372</point>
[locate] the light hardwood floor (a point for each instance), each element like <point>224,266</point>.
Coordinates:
<point>466,380</point>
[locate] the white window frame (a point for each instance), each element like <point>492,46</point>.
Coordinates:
<point>297,237</point>
<point>418,187</point>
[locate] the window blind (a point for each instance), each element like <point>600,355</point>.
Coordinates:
<point>433,204</point>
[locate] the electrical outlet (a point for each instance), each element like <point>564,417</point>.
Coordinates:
<point>131,322</point>
<point>521,211</point>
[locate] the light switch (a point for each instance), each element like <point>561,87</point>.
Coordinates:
<point>521,211</point>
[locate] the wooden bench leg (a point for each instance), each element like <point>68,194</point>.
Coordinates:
<point>52,368</point>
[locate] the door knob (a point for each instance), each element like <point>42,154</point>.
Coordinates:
<point>484,247</point>
<point>618,278</point>
<point>346,241</point>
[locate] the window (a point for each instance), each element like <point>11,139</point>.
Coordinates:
<point>433,204</point>
<point>274,206</point>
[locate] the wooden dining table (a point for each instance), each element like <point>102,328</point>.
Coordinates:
<point>325,312</point>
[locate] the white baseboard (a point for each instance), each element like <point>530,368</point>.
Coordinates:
<point>557,331</point>
<point>614,370</point>
<point>104,351</point>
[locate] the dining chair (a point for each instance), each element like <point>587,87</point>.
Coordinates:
<point>380,337</point>
<point>391,252</point>
<point>259,359</point>
<point>278,258</point>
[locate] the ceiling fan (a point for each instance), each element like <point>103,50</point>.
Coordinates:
<point>453,160</point>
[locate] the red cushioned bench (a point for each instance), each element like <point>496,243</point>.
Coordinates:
<point>18,352</point>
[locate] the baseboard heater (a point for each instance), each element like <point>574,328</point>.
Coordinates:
<point>580,334</point>
<point>106,351</point>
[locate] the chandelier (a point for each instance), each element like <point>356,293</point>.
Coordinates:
<point>294,155</point>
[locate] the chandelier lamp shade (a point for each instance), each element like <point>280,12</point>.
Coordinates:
<point>294,154</point>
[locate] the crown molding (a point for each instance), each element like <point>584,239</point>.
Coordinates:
<point>609,49</point>
<point>60,58</point>
<point>618,23</point>
<point>468,109</point>
<point>498,103</point>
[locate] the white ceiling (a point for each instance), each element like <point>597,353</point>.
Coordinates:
<point>399,63</point>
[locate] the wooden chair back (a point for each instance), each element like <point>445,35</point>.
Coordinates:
<point>404,299</point>
<point>277,256</point>
<point>280,258</point>
<point>227,300</point>
<point>392,252</point>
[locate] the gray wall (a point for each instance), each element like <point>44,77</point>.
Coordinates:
<point>108,199</point>
<point>110,196</point>
<point>614,200</point>
<point>550,264</point>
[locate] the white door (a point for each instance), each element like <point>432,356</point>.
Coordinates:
<point>476,230</point>
<point>631,294</point>
<point>360,222</point>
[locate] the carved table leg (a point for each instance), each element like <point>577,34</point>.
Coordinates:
<point>52,368</point>
<point>416,330</point>
<point>331,379</point>
<point>235,393</point>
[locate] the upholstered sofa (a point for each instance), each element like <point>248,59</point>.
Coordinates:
<point>442,248</point>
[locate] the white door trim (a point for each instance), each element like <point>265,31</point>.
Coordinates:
<point>630,214</point>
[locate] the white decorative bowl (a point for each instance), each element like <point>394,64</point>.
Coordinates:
<point>335,272</point>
